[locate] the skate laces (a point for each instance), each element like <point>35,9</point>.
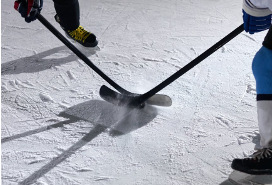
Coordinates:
<point>262,154</point>
<point>79,34</point>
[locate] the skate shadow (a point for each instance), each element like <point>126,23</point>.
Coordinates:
<point>238,178</point>
<point>103,116</point>
<point>42,61</point>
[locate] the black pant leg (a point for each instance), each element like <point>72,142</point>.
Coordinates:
<point>68,12</point>
<point>268,39</point>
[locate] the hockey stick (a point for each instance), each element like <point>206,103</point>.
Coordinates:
<point>80,54</point>
<point>122,99</point>
<point>96,69</point>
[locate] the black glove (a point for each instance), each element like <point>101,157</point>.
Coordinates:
<point>28,8</point>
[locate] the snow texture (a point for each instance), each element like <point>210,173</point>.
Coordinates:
<point>57,130</point>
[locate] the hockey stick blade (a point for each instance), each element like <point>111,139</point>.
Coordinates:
<point>133,100</point>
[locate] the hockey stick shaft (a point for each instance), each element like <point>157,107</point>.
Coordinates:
<point>192,64</point>
<point>50,27</point>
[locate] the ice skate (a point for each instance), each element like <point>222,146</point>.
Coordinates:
<point>259,164</point>
<point>80,35</point>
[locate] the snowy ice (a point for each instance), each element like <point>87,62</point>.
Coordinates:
<point>56,129</point>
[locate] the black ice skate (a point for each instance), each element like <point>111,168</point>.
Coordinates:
<point>80,35</point>
<point>259,164</point>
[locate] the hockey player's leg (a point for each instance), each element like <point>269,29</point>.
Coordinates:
<point>68,16</point>
<point>261,161</point>
<point>262,69</point>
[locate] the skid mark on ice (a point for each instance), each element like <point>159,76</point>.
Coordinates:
<point>152,60</point>
<point>4,86</point>
<point>13,84</point>
<point>248,36</point>
<point>23,28</point>
<point>224,121</point>
<point>71,75</point>
<point>103,178</point>
<point>114,19</point>
<point>250,89</point>
<point>46,97</point>
<point>6,128</point>
<point>64,80</point>
<point>28,104</point>
<point>248,137</point>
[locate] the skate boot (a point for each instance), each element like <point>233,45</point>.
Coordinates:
<point>80,35</point>
<point>259,164</point>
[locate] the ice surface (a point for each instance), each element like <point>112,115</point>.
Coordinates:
<point>57,130</point>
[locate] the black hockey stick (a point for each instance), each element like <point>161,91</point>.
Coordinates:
<point>96,69</point>
<point>80,54</point>
<point>134,101</point>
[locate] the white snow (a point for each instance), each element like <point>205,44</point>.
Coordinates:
<point>57,130</point>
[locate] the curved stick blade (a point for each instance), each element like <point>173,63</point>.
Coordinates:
<point>133,100</point>
<point>118,99</point>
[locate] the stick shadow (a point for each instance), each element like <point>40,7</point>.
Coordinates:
<point>119,120</point>
<point>104,116</point>
<point>226,182</point>
<point>42,61</point>
<point>62,157</point>
<point>36,131</point>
